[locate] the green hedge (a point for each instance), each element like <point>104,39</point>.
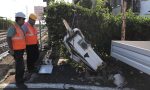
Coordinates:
<point>98,28</point>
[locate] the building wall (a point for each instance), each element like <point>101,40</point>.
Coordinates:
<point>133,4</point>
<point>145,8</point>
<point>39,10</point>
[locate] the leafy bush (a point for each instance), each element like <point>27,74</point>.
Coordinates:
<point>98,26</point>
<point>138,28</point>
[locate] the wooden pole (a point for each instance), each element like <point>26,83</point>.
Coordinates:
<point>123,31</point>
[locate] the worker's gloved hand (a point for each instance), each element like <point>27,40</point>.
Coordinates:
<point>11,52</point>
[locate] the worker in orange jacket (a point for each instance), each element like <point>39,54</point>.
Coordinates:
<point>31,43</point>
<point>17,45</point>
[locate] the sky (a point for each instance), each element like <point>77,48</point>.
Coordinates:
<point>8,8</point>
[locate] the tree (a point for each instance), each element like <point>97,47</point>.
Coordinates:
<point>124,3</point>
<point>86,3</point>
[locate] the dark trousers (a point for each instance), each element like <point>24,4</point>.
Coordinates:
<point>19,65</point>
<point>32,57</point>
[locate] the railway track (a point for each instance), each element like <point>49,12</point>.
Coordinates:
<point>3,44</point>
<point>4,54</point>
<point>2,33</point>
<point>2,38</point>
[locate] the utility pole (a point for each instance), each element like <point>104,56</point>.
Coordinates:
<point>26,10</point>
<point>123,31</point>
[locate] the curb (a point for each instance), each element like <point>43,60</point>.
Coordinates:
<point>62,86</point>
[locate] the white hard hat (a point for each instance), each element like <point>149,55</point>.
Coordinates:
<point>20,14</point>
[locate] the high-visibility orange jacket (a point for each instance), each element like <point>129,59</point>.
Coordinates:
<point>31,35</point>
<point>18,40</point>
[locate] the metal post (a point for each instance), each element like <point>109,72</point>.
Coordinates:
<point>123,20</point>
<point>3,23</point>
<point>40,35</point>
<point>6,23</point>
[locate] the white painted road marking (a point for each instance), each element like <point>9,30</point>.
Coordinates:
<point>62,86</point>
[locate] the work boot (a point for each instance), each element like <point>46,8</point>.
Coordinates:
<point>21,86</point>
<point>34,70</point>
<point>27,76</point>
<point>32,77</point>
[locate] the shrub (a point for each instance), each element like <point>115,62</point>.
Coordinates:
<point>98,26</point>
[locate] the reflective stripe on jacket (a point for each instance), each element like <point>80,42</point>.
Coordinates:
<point>31,35</point>
<point>18,40</point>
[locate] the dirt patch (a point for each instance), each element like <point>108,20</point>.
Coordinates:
<point>5,65</point>
<point>69,73</point>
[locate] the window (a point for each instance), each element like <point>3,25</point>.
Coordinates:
<point>83,44</point>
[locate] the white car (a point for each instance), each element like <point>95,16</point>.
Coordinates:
<point>79,49</point>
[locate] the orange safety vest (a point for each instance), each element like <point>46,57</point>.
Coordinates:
<point>18,40</point>
<point>31,35</point>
